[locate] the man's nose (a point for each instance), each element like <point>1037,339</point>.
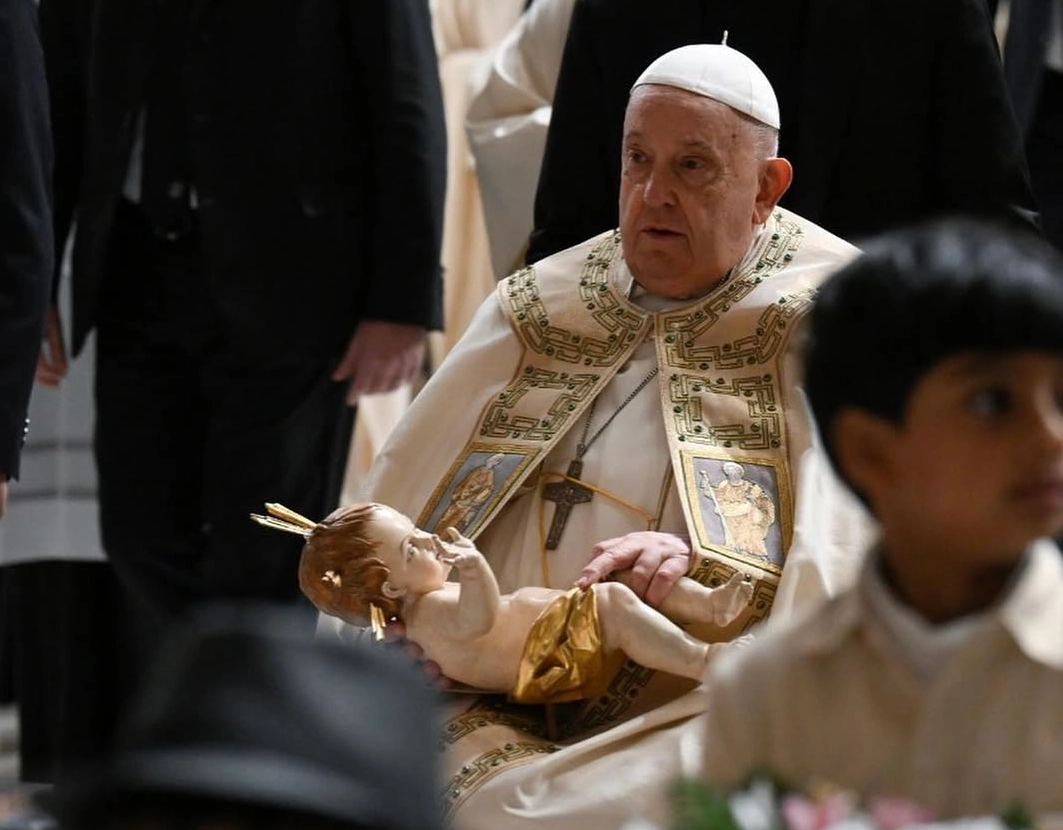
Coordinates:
<point>660,188</point>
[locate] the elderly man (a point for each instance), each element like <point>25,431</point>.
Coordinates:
<point>614,379</point>
<point>889,106</point>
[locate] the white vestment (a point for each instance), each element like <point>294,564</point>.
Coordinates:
<point>531,349</point>
<point>963,719</point>
<point>507,122</point>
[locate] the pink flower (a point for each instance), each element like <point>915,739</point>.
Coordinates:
<point>894,813</point>
<point>801,813</point>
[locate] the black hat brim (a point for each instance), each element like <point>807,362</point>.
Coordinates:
<point>259,779</point>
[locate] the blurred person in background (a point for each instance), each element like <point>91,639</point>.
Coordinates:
<point>255,201</point>
<point>1033,67</point>
<point>25,223</point>
<point>247,720</point>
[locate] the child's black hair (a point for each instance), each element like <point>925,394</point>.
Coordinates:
<point>918,296</point>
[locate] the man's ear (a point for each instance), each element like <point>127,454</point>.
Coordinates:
<point>775,178</point>
<point>864,449</point>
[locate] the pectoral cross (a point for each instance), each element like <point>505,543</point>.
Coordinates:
<point>565,495</point>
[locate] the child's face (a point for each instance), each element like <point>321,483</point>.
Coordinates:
<point>411,554</point>
<point>977,466</point>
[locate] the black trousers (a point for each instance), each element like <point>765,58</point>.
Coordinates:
<point>192,436</point>
<point>66,622</point>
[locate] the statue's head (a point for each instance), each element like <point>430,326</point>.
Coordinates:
<point>369,554</point>
<point>340,571</point>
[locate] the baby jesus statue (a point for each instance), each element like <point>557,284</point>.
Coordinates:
<point>538,645</point>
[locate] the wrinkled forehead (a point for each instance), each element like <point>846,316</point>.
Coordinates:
<point>667,121</point>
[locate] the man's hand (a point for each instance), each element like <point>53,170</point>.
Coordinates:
<point>52,363</point>
<point>655,560</point>
<point>380,357</point>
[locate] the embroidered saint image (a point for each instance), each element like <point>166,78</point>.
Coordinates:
<point>744,509</point>
<point>470,494</point>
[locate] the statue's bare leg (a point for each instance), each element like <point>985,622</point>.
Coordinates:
<point>645,635</point>
<point>692,602</point>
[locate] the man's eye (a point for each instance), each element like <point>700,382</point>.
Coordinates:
<point>692,164</point>
<point>634,157</point>
<point>990,403</point>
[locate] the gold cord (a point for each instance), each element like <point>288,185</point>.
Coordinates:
<point>548,478</point>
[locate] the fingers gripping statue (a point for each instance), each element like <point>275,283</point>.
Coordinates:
<point>538,645</point>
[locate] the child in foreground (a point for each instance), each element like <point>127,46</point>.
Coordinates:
<point>935,373</point>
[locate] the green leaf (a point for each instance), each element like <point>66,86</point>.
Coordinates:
<point>1017,817</point>
<point>699,808</point>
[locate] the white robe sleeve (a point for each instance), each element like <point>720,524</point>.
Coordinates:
<point>507,122</point>
<point>832,530</point>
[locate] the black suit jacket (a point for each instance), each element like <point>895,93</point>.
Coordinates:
<point>1025,46</point>
<point>902,112</point>
<point>318,142</point>
<point>25,218</point>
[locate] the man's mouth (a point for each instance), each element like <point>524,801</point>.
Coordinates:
<point>661,232</point>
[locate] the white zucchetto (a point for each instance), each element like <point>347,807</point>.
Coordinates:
<point>719,72</point>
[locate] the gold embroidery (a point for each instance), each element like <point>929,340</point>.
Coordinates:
<point>474,503</point>
<point>623,691</point>
<point>570,391</point>
<point>619,322</point>
<point>741,369</point>
<point>488,765</point>
<point>715,572</point>
<point>695,471</point>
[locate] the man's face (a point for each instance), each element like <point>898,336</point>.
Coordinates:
<point>411,554</point>
<point>691,191</point>
<point>976,468</point>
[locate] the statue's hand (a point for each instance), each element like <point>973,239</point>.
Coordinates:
<point>452,537</point>
<point>656,562</point>
<point>462,560</point>
<point>458,551</point>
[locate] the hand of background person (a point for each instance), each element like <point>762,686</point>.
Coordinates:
<point>380,357</point>
<point>395,636</point>
<point>52,363</point>
<point>653,562</point>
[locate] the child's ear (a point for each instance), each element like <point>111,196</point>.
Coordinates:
<point>863,445</point>
<point>391,592</point>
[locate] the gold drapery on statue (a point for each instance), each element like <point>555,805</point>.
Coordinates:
<point>563,658</point>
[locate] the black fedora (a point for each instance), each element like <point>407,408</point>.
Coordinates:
<point>246,707</point>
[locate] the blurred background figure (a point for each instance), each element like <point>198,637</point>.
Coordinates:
<point>466,33</point>
<point>507,121</point>
<point>254,200</point>
<point>1033,67</point>
<point>25,223</point>
<point>248,721</point>
<point>26,263</point>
